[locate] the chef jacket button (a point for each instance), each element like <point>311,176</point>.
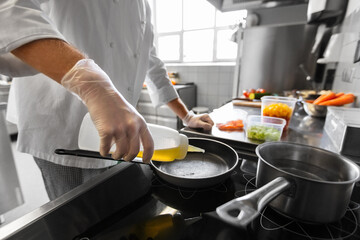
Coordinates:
<point>116,1</point>
<point>136,55</point>
<point>143,22</point>
<point>111,44</point>
<point>129,89</point>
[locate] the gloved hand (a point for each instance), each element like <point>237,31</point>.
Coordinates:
<point>115,119</point>
<point>198,121</point>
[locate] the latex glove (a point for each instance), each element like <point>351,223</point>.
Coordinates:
<point>115,119</point>
<point>198,121</point>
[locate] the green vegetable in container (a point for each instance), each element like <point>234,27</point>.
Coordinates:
<point>263,133</point>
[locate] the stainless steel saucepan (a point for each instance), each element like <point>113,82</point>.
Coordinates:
<point>303,182</point>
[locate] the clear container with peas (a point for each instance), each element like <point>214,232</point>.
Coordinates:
<point>264,128</point>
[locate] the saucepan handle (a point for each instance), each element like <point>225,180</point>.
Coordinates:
<point>249,206</point>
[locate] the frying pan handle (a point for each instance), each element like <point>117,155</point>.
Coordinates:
<point>91,154</point>
<point>82,153</point>
<point>249,206</point>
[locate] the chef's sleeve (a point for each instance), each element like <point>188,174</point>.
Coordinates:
<point>160,89</point>
<point>21,22</point>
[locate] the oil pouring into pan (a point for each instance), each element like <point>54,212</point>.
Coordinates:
<point>168,143</point>
<point>303,182</point>
<point>204,162</point>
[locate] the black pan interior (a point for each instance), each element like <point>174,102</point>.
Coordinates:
<point>218,159</point>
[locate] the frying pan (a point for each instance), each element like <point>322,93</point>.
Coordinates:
<point>197,170</point>
<point>303,182</point>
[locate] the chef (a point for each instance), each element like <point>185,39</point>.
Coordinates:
<point>74,57</point>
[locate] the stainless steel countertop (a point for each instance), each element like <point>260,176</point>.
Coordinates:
<point>303,129</point>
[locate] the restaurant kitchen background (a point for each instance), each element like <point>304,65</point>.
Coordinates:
<point>278,50</point>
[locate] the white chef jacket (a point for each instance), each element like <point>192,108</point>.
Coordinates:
<point>117,34</point>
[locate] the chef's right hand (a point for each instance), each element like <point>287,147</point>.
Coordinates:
<point>116,120</point>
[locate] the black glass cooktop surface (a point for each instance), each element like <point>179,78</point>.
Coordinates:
<point>170,212</point>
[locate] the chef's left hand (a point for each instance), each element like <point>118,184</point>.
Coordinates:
<point>198,121</point>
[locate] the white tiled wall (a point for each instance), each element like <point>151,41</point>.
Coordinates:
<point>347,76</point>
<point>214,83</point>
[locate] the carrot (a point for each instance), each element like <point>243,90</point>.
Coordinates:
<point>339,94</point>
<point>324,97</point>
<point>309,101</point>
<point>342,100</point>
<point>231,125</point>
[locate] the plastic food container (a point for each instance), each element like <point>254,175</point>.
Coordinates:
<point>280,107</point>
<point>264,128</point>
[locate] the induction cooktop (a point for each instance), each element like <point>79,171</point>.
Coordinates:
<point>170,212</point>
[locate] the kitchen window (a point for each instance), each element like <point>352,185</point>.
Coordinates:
<point>188,31</point>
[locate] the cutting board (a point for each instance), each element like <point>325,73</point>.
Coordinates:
<point>244,146</point>
<point>246,103</point>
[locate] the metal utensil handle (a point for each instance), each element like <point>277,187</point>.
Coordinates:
<point>249,206</point>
